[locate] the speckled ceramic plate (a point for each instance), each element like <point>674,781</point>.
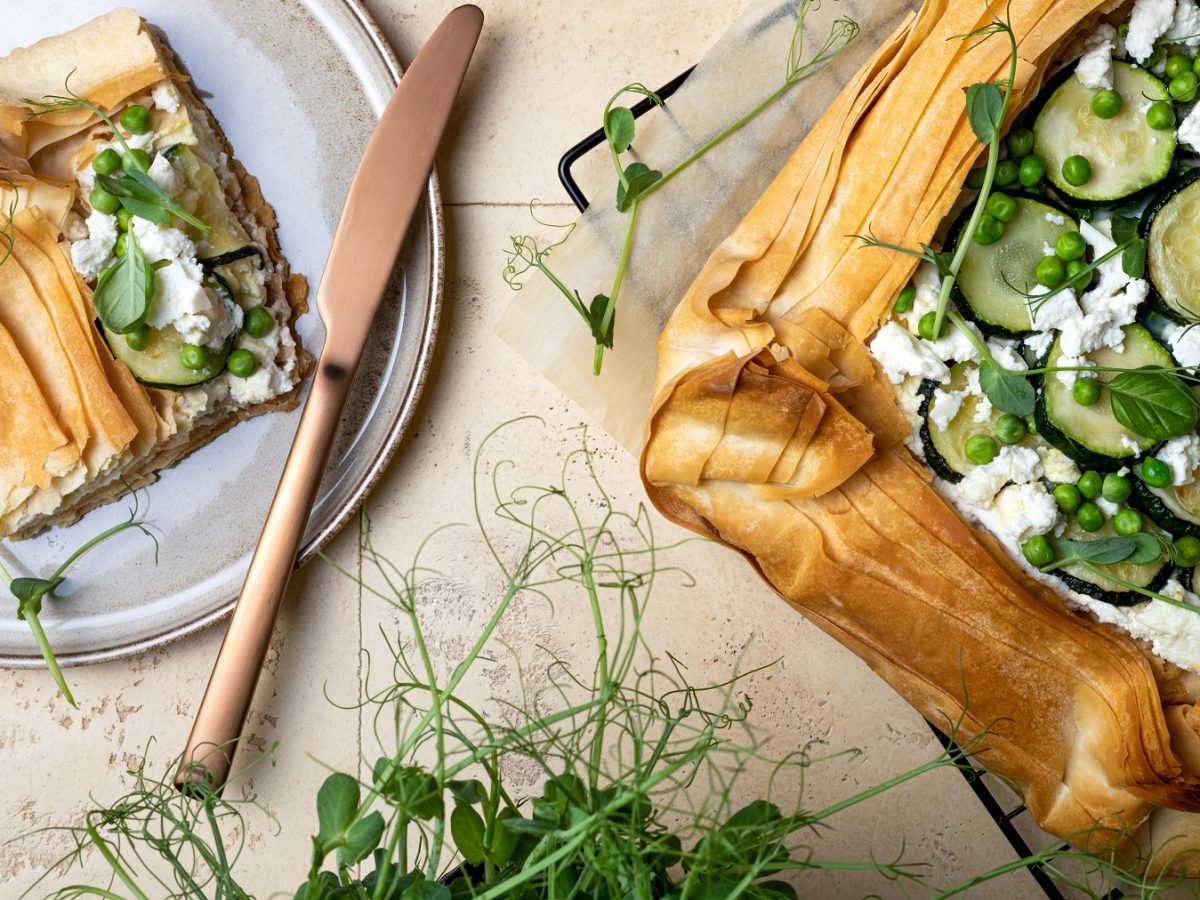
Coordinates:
<point>298,86</point>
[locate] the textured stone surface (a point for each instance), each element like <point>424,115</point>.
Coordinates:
<point>543,74</point>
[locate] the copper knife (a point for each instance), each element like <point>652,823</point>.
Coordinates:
<point>384,197</point>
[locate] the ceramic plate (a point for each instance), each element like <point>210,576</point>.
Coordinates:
<point>298,87</point>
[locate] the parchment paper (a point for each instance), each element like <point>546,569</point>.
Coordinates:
<point>680,225</point>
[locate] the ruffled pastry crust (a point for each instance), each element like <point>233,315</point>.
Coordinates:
<point>774,431</point>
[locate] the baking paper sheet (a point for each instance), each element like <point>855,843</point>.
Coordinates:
<point>678,227</point>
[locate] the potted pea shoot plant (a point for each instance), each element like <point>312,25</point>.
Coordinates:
<point>643,776</point>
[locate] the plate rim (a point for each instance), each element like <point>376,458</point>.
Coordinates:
<point>427,344</point>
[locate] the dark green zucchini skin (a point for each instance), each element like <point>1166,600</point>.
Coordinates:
<point>1161,197</point>
<point>1116,598</point>
<point>955,235</point>
<point>1185,577</point>
<point>1149,503</point>
<point>933,459</point>
<point>224,259</point>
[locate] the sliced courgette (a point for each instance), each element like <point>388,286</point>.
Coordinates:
<point>224,259</point>
<point>1091,435</point>
<point>1174,509</point>
<point>1127,155</point>
<point>945,448</point>
<point>1171,227</point>
<point>1151,576</point>
<point>211,208</point>
<point>160,365</point>
<point>990,283</point>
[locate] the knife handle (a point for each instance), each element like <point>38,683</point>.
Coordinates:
<point>212,744</point>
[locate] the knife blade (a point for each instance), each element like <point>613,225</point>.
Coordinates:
<point>384,197</point>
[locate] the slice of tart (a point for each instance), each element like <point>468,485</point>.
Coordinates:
<point>148,307</point>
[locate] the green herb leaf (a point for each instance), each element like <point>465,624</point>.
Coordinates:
<point>467,791</point>
<point>362,838</point>
<point>426,890</point>
<point>1148,548</point>
<point>1103,552</point>
<point>141,195</point>
<point>985,107</point>
<point>504,840</point>
<point>528,826</point>
<point>1152,403</point>
<point>638,177</point>
<point>466,827</point>
<point>124,290</point>
<point>1008,391</point>
<point>596,312</point>
<point>619,128</point>
<point>1124,229</point>
<point>337,801</point>
<point>1133,260</point>
<point>29,593</point>
<point>411,789</point>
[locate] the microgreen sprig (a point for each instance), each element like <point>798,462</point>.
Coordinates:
<point>8,228</point>
<point>1138,549</point>
<point>30,592</point>
<point>70,101</point>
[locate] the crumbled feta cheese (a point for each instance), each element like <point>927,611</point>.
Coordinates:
<point>1185,26</point>
<point>165,96</point>
<point>1047,249</point>
<point>902,355</point>
<point>1005,353</point>
<point>1108,507</point>
<point>953,345</point>
<point>1149,22</point>
<point>267,381</point>
<point>1189,129</point>
<point>138,141</point>
<point>1173,632</point>
<point>1182,454</point>
<point>1185,344</point>
<point>983,406</point>
<point>1068,364</point>
<point>1039,344</point>
<point>1020,465</point>
<point>94,254</point>
<point>180,298</point>
<point>1057,466</point>
<point>945,407</point>
<point>1024,510</point>
<point>165,175</point>
<point>1055,219</point>
<point>74,228</point>
<point>1095,68</point>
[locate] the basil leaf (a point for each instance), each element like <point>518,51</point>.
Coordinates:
<point>1008,391</point>
<point>619,128</point>
<point>638,177</point>
<point>1152,403</point>
<point>1104,552</point>
<point>1124,229</point>
<point>125,289</point>
<point>1133,260</point>
<point>985,104</point>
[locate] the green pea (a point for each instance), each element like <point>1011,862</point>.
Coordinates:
<point>1002,206</point>
<point>1186,551</point>
<point>1156,473</point>
<point>1076,170</point>
<point>1067,497</point>
<point>1196,65</point>
<point>1090,484</point>
<point>1075,274</point>
<point>259,322</point>
<point>139,338</point>
<point>1107,103</point>
<point>1090,517</point>
<point>135,161</point>
<point>1010,429</point>
<point>1070,246</point>
<point>194,357</point>
<point>981,449</point>
<point>1030,425</point>
<point>1177,64</point>
<point>106,162</point>
<point>975,178</point>
<point>1038,551</point>
<point>1117,488</point>
<point>242,363</point>
<point>1127,522</point>
<point>119,248</point>
<point>1031,170</point>
<point>124,217</point>
<point>136,119</point>
<point>1161,116</point>
<point>103,201</point>
<point>1183,86</point>
<point>926,323</point>
<point>989,230</point>
<point>1086,391</point>
<point>1020,142</point>
<point>1050,271</point>
<point>1007,172</point>
<point>904,301</point>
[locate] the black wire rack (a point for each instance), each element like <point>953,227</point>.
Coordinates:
<point>1006,819</point>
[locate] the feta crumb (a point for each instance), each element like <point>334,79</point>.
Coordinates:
<point>945,407</point>
<point>94,254</point>
<point>1095,69</point>
<point>1185,26</point>
<point>1174,633</point>
<point>1182,454</point>
<point>165,96</point>
<point>983,406</point>
<point>1058,467</point>
<point>165,175</point>
<point>1149,22</point>
<point>1189,129</point>
<point>1185,345</point>
<point>1055,219</point>
<point>1005,353</point>
<point>1024,510</point>
<point>902,355</point>
<point>1020,465</point>
<point>1039,344</point>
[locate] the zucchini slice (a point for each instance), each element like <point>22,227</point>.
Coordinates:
<point>945,448</point>
<point>1174,509</point>
<point>1126,154</point>
<point>1091,435</point>
<point>228,235</point>
<point>989,285</point>
<point>1171,227</point>
<point>159,365</point>
<point>1151,577</point>
<point>213,262</point>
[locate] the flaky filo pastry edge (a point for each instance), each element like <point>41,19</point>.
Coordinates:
<point>774,431</point>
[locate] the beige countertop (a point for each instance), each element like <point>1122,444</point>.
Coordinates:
<point>540,80</point>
